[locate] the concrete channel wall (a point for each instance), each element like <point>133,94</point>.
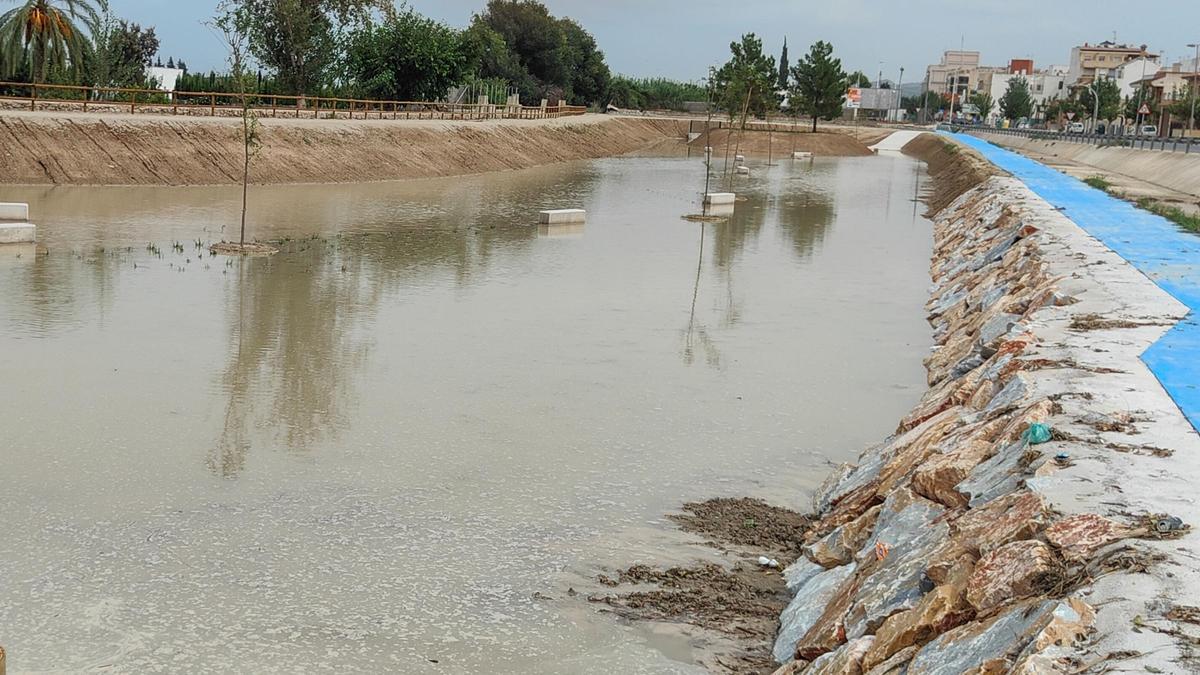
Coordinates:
<point>1030,514</point>
<point>1172,170</point>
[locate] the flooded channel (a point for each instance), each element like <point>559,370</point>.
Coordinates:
<point>394,445</point>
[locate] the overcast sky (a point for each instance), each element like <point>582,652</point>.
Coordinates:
<point>681,38</point>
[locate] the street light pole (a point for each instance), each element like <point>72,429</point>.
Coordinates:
<point>900,94</point>
<point>1192,89</point>
<point>1095,105</point>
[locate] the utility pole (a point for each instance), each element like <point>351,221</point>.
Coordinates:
<point>1192,89</point>
<point>900,94</point>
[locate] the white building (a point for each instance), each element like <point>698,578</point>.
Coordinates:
<point>165,77</point>
<point>1044,86</point>
<point>1128,74</point>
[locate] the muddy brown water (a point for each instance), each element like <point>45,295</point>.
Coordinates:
<point>396,444</point>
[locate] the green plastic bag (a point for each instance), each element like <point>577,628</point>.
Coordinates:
<point>1036,433</point>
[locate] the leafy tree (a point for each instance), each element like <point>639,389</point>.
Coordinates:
<point>490,58</point>
<point>126,50</point>
<point>1016,103</point>
<point>1144,96</point>
<point>983,101</point>
<point>1109,94</point>
<point>299,39</point>
<point>589,74</point>
<point>782,83</point>
<point>747,81</point>
<point>930,102</point>
<point>858,79</point>
<point>406,57</point>
<point>537,42</point>
<point>234,25</point>
<point>819,87</point>
<point>47,34</point>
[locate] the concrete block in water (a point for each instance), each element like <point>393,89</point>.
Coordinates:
<point>720,198</point>
<point>559,216</point>
<point>17,233</point>
<point>801,155</point>
<point>742,171</point>
<point>14,211</point>
<point>739,158</point>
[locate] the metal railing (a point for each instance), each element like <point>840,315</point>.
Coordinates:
<point>213,104</point>
<point>1182,145</point>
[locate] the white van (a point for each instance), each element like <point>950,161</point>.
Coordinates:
<point>1075,128</point>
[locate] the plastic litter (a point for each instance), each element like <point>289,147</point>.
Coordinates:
<point>768,562</point>
<point>1036,434</point>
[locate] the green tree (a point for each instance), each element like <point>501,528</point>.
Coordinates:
<point>858,79</point>
<point>406,57</point>
<point>536,40</point>
<point>234,26</point>
<point>747,80</point>
<point>784,75</point>
<point>490,58</point>
<point>123,51</point>
<point>588,73</point>
<point>47,34</point>
<point>1109,94</point>
<point>819,87</point>
<point>299,39</point>
<point>983,101</point>
<point>1144,96</point>
<point>1016,103</point>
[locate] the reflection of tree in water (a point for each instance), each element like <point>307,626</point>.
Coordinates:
<point>693,332</point>
<point>300,328</point>
<point>803,217</point>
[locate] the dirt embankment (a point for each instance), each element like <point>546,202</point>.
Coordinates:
<point>780,145</point>
<point>91,149</point>
<point>953,170</point>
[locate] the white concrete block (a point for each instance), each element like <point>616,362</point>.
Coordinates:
<point>17,233</point>
<point>720,198</point>
<point>742,170</point>
<point>719,209</point>
<point>739,158</point>
<point>557,216</point>
<point>801,155</point>
<point>14,211</point>
<point>564,231</point>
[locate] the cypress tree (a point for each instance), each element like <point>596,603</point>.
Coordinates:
<point>783,66</point>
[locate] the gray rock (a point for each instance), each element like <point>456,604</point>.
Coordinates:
<point>800,573</point>
<point>804,610</point>
<point>992,297</point>
<point>907,525</point>
<point>997,476</point>
<point>966,648</point>
<point>996,328</point>
<point>966,365</point>
<point>1011,394</point>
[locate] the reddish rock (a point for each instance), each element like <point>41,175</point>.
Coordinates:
<point>940,610</point>
<point>1012,572</point>
<point>1078,537</point>
<point>895,665</point>
<point>839,546</point>
<point>1015,516</point>
<point>921,443</point>
<point>845,661</point>
<point>938,476</point>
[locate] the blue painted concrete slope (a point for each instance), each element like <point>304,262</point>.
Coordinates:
<point>1156,246</point>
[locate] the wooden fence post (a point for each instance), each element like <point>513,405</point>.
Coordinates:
<point>212,106</point>
<point>33,97</point>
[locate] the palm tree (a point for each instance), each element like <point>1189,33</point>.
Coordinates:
<point>47,32</point>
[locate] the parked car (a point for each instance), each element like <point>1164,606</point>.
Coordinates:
<point>1075,128</point>
<point>1148,130</point>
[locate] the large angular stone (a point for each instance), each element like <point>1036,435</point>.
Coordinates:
<point>847,660</point>
<point>806,608</point>
<point>1072,620</point>
<point>839,546</point>
<point>940,610</point>
<point>997,476</point>
<point>829,631</point>
<point>993,332</point>
<point>939,476</point>
<point>799,573</point>
<point>1012,572</point>
<point>918,444</point>
<point>1019,515</point>
<point>1078,537</point>
<point>997,641</point>
<point>911,528</point>
<point>897,665</point>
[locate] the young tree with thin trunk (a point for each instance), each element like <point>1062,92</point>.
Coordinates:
<point>1017,102</point>
<point>231,22</point>
<point>819,84</point>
